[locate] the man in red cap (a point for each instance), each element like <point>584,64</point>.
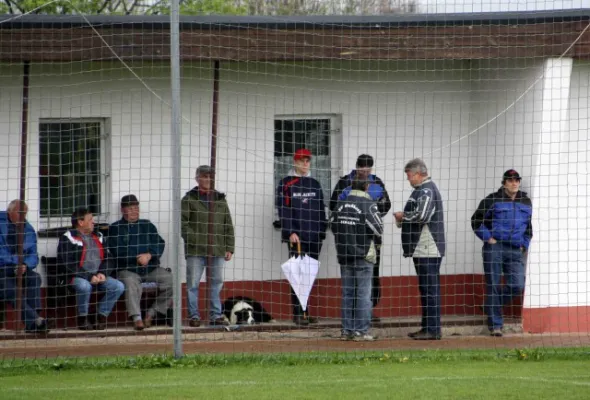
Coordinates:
<point>302,213</point>
<point>503,222</point>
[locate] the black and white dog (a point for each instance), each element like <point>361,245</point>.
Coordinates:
<point>240,310</point>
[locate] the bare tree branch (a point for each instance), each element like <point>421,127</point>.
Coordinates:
<point>9,6</point>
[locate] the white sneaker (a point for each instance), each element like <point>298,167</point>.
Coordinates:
<point>363,337</point>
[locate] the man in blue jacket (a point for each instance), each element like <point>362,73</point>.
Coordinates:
<point>137,248</point>
<point>10,266</point>
<point>377,192</point>
<point>423,239</point>
<point>301,209</point>
<point>503,222</point>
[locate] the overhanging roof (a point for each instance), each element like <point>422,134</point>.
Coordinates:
<point>67,38</point>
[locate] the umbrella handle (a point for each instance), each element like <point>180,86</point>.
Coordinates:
<point>298,248</point>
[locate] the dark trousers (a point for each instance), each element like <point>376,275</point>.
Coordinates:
<point>428,270</point>
<point>31,300</point>
<point>376,291</point>
<point>311,249</point>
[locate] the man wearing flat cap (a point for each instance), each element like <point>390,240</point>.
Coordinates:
<point>206,246</point>
<point>503,222</point>
<point>137,248</point>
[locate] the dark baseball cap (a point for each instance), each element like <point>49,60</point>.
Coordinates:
<point>204,169</point>
<point>129,200</point>
<point>510,174</point>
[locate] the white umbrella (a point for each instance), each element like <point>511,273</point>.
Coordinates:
<point>301,272</point>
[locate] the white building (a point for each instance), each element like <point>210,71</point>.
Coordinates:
<point>473,94</point>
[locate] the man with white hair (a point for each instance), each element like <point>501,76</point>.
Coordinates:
<point>423,239</point>
<point>11,266</point>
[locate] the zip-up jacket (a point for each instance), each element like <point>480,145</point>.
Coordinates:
<point>71,253</point>
<point>195,224</point>
<point>376,191</point>
<point>300,204</point>
<point>126,240</point>
<point>506,220</point>
<point>356,221</point>
<point>424,209</point>
<point>8,255</point>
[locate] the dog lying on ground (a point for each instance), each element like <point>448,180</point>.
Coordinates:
<point>240,310</point>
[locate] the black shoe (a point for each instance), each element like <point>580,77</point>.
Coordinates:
<point>424,335</point>
<point>414,334</point>
<point>301,320</point>
<point>219,322</point>
<point>39,327</point>
<point>101,323</point>
<point>84,324</point>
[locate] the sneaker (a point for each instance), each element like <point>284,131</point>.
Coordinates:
<point>220,321</point>
<point>363,337</point>
<point>101,323</point>
<point>345,336</point>
<point>84,324</point>
<point>39,327</point>
<point>414,334</point>
<point>496,332</point>
<point>194,322</point>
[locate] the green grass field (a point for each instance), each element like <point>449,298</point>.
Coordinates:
<point>373,376</point>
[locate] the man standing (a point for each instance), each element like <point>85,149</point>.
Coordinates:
<point>208,233</point>
<point>423,239</point>
<point>356,222</point>
<point>81,252</point>
<point>10,265</point>
<point>503,222</point>
<point>301,209</point>
<point>377,192</point>
<point>137,248</point>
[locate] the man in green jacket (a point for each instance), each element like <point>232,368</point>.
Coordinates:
<point>196,229</point>
<point>137,248</point>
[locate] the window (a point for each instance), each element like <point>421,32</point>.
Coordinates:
<point>311,133</point>
<point>71,166</point>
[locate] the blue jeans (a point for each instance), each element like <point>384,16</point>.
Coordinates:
<point>357,278</point>
<point>195,265</point>
<point>428,270</point>
<point>113,290</point>
<point>497,259</point>
<point>31,300</point>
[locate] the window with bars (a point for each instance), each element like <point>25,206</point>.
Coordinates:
<point>311,133</point>
<point>71,166</point>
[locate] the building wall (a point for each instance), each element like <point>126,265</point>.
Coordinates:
<point>466,119</point>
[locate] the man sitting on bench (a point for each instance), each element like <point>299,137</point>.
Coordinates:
<point>137,248</point>
<point>10,267</point>
<point>81,252</point>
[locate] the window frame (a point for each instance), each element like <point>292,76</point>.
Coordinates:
<point>53,221</point>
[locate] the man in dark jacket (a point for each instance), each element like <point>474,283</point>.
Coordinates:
<point>11,266</point>
<point>137,249</point>
<point>80,250</point>
<point>503,222</point>
<point>205,215</point>
<point>377,192</point>
<point>423,239</point>
<point>356,221</point>
<point>301,209</point>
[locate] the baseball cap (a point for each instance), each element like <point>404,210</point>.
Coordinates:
<point>129,200</point>
<point>301,153</point>
<point>204,169</point>
<point>510,174</point>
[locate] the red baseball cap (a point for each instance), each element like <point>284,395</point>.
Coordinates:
<point>301,153</point>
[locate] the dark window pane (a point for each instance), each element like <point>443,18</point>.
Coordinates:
<point>69,167</point>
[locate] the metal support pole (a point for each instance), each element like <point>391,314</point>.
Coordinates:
<point>175,156</point>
